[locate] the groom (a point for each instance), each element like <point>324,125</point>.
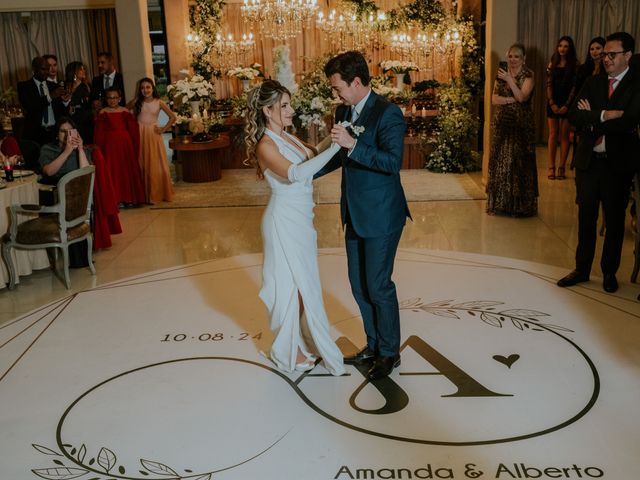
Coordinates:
<point>373,205</point>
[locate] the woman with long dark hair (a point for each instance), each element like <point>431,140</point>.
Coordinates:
<point>561,78</point>
<point>291,287</point>
<point>78,94</point>
<point>592,64</point>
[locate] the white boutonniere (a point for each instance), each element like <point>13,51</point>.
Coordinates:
<point>354,130</point>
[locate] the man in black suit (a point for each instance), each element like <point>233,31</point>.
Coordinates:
<point>41,103</point>
<point>52,61</point>
<point>607,112</point>
<point>107,78</point>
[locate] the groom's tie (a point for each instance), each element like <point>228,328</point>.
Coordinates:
<point>354,114</point>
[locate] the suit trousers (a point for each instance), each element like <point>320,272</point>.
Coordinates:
<point>370,262</point>
<point>600,184</point>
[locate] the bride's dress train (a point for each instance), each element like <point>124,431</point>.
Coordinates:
<point>291,265</point>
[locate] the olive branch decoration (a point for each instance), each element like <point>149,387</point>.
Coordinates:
<point>106,460</point>
<point>487,311</point>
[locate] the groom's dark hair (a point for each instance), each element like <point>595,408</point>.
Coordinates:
<point>349,65</point>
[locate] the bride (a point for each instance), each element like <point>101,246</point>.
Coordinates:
<point>291,287</point>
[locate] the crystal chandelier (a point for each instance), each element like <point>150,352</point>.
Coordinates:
<point>279,19</point>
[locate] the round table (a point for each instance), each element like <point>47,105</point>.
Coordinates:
<point>202,161</point>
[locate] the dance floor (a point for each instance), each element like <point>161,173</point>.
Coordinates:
<point>504,375</point>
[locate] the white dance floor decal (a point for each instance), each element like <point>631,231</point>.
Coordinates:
<point>503,376</point>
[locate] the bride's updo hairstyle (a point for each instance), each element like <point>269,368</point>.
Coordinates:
<point>267,94</point>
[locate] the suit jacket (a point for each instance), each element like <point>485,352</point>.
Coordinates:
<point>34,105</point>
<point>621,134</point>
<point>373,200</point>
<point>97,88</point>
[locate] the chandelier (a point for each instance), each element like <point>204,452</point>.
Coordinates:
<point>223,52</point>
<point>347,31</point>
<point>279,19</point>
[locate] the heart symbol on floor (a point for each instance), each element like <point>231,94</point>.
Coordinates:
<point>508,361</point>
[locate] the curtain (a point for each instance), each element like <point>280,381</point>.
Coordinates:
<point>542,22</point>
<point>69,34</point>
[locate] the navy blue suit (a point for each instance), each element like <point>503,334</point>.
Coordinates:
<point>374,210</point>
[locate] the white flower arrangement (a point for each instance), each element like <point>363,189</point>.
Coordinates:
<point>313,101</point>
<point>354,130</point>
<point>244,73</point>
<point>191,89</point>
<point>397,66</point>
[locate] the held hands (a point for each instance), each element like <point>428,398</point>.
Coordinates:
<point>340,136</point>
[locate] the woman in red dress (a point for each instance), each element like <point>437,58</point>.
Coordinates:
<point>118,135</point>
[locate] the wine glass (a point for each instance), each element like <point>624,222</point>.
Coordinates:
<point>19,166</point>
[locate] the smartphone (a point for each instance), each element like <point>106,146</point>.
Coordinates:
<point>502,65</point>
<point>73,134</point>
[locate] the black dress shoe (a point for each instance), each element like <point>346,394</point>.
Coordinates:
<point>364,356</point>
<point>383,366</point>
<point>573,278</point>
<point>610,283</point>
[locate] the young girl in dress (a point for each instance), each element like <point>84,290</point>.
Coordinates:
<point>153,156</point>
<point>118,135</point>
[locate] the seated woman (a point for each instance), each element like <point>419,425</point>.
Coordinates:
<point>68,153</point>
<point>64,155</point>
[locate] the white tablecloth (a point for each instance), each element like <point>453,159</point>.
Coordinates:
<point>25,191</point>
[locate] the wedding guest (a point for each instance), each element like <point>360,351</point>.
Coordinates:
<point>561,77</point>
<point>592,64</point>
<point>118,135</point>
<point>77,96</point>
<point>153,157</point>
<point>41,103</point>
<point>291,288</point>
<point>606,113</point>
<point>512,187</point>
<point>64,155</point>
<point>52,62</point>
<point>108,77</point>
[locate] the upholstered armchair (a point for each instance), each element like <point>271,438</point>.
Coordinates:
<point>56,226</point>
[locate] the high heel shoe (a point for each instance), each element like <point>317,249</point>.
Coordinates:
<point>307,365</point>
<point>552,173</point>
<point>560,175</point>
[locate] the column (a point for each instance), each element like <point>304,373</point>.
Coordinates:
<point>176,17</point>
<point>134,41</point>
<point>502,32</point>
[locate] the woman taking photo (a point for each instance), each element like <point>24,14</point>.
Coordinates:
<point>561,78</point>
<point>512,186</point>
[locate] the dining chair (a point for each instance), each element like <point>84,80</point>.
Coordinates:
<point>57,226</point>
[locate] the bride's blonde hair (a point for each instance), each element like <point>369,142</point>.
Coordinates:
<point>267,94</point>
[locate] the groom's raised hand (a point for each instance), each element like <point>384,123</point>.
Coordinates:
<point>342,137</point>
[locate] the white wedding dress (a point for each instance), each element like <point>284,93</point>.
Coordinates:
<point>291,263</point>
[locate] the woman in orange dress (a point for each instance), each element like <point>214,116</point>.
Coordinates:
<point>153,156</point>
